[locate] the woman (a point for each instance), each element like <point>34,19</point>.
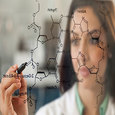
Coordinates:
<point>89,53</point>
<point>89,58</point>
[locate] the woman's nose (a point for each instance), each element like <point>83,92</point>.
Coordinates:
<point>82,57</point>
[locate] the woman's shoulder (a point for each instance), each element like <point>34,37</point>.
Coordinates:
<point>60,105</point>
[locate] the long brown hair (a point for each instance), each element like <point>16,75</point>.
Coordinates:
<point>105,11</point>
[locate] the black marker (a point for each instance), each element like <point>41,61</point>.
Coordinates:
<point>18,71</point>
<point>21,68</point>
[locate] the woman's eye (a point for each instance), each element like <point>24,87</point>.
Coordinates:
<point>94,41</point>
<point>75,41</point>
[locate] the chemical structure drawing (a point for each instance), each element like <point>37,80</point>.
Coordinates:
<point>63,22</point>
<point>81,58</point>
<point>82,26</point>
<point>32,62</point>
<point>53,63</point>
<point>64,31</point>
<point>58,31</point>
<point>59,54</point>
<point>35,65</point>
<point>34,26</point>
<point>60,26</point>
<point>55,28</point>
<point>40,75</point>
<point>32,103</point>
<point>43,39</point>
<point>52,68</point>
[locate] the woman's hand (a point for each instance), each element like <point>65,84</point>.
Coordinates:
<point>13,105</point>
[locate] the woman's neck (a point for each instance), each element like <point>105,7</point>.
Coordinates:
<point>91,99</point>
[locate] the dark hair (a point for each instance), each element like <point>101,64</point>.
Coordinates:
<point>106,13</point>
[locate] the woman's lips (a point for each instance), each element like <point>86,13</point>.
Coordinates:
<point>84,71</point>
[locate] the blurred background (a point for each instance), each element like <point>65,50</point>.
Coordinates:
<point>31,31</point>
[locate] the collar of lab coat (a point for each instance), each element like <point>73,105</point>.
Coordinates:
<point>103,106</point>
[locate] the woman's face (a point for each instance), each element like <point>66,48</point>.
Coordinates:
<point>88,47</point>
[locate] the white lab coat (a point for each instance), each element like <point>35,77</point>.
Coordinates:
<point>66,105</point>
